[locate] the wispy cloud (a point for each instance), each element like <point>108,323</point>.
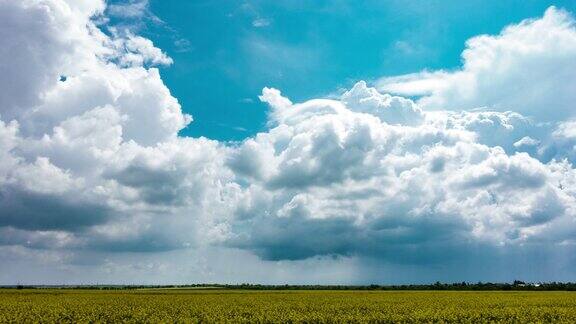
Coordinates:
<point>182,45</point>
<point>131,9</point>
<point>271,58</point>
<point>261,22</point>
<point>137,10</point>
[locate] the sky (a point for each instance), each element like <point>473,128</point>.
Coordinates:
<point>302,142</point>
<point>245,46</point>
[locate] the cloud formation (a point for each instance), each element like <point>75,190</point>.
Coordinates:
<point>344,182</point>
<point>527,67</point>
<point>91,161</point>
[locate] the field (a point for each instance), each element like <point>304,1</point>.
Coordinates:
<point>156,305</point>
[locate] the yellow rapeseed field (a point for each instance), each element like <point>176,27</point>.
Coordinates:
<point>157,305</point>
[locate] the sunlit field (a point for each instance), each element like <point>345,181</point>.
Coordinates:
<point>157,305</point>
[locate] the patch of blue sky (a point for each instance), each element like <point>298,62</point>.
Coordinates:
<point>225,52</point>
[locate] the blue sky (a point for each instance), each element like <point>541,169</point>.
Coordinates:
<point>225,52</point>
<point>332,142</point>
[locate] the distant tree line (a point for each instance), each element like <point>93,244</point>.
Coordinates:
<point>516,285</point>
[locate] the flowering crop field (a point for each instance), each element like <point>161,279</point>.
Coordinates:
<point>157,305</point>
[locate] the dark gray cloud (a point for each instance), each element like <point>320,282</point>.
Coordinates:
<point>36,211</point>
<point>155,186</point>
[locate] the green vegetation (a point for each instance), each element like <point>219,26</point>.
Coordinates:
<point>482,286</point>
<point>217,305</point>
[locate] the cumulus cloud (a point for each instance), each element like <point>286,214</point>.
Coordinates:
<point>528,68</point>
<point>36,52</point>
<point>347,183</point>
<point>92,164</point>
<point>81,153</point>
<point>391,109</point>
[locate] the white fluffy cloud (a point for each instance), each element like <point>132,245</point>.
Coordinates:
<point>528,68</point>
<point>91,162</point>
<point>345,182</point>
<point>90,140</point>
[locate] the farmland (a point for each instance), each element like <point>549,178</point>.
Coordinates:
<point>157,305</point>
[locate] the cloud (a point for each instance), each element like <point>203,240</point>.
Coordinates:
<point>269,58</point>
<point>140,51</point>
<point>80,156</point>
<point>183,45</point>
<point>92,166</point>
<point>414,84</point>
<point>348,183</point>
<point>261,22</point>
<point>131,9</point>
<point>34,46</point>
<point>526,141</point>
<point>527,68</point>
<point>392,110</point>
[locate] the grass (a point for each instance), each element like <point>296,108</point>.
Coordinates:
<point>67,305</point>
